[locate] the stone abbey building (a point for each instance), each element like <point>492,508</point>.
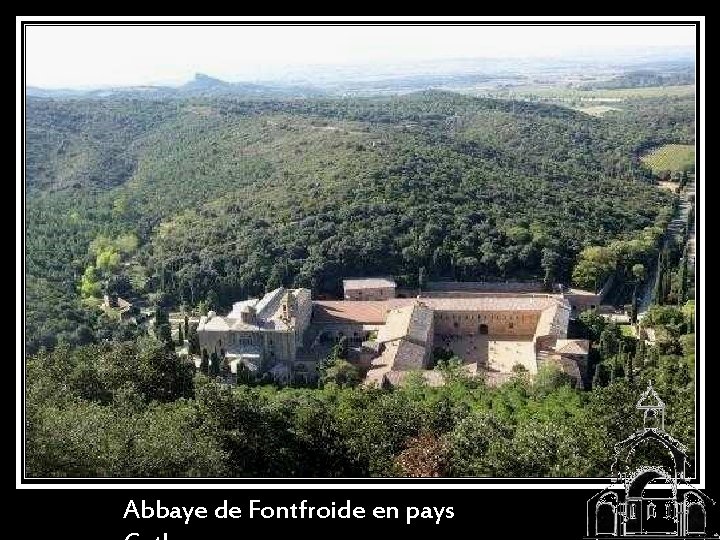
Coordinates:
<point>285,334</point>
<point>264,335</point>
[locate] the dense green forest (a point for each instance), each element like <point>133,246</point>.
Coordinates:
<point>198,202</point>
<point>229,197</point>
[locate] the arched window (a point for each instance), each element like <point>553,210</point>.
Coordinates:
<point>695,518</point>
<point>606,515</point>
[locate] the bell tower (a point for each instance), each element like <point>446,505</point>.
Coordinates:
<point>653,409</point>
<point>289,308</point>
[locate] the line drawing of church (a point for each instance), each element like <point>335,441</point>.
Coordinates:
<point>655,501</point>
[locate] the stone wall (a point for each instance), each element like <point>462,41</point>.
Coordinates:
<point>499,323</point>
<point>379,293</point>
<point>486,286</point>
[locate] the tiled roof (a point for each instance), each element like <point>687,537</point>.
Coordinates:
<point>580,292</point>
<point>374,311</point>
<point>216,323</point>
<point>267,306</point>
<point>355,311</point>
<point>554,322</point>
<point>517,303</point>
<point>572,346</point>
<point>407,355</point>
<point>368,283</point>
<point>238,307</point>
<point>413,322</point>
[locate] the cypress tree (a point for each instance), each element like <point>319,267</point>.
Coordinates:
<point>652,357</point>
<point>658,288</point>
<point>629,369</point>
<point>193,341</point>
<point>205,363</point>
<point>682,290</point>
<point>212,300</point>
<point>597,377</point>
<point>214,364</point>
<point>181,336</point>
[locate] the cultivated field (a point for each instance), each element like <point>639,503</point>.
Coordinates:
<point>670,157</point>
<point>616,94</point>
<point>597,110</point>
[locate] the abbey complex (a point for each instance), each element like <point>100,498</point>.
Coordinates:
<point>496,329</point>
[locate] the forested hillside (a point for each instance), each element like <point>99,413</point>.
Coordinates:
<point>226,198</point>
<point>202,201</point>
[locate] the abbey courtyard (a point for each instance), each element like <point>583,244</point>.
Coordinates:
<point>497,330</point>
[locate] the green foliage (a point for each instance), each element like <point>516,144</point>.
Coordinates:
<point>107,259</point>
<point>126,243</point>
<point>593,324</point>
<point>342,373</point>
<point>452,370</point>
<point>275,198</point>
<point>102,404</point>
<point>480,446</point>
<point>550,378</point>
<point>200,202</point>
<point>89,285</point>
<point>638,272</point>
<point>668,316</point>
<point>595,264</point>
<point>623,258</point>
<point>671,157</point>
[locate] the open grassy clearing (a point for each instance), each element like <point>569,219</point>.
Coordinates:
<point>670,157</point>
<point>596,110</point>
<point>627,330</point>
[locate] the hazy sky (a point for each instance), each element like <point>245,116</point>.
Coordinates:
<point>67,56</point>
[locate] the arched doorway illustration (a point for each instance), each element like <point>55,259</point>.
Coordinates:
<point>606,515</point>
<point>695,518</point>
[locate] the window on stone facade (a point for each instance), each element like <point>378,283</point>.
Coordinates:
<point>651,510</point>
<point>511,325</point>
<point>669,511</point>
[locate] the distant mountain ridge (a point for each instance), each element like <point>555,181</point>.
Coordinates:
<point>200,85</point>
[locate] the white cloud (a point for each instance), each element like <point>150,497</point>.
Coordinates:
<point>71,56</point>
